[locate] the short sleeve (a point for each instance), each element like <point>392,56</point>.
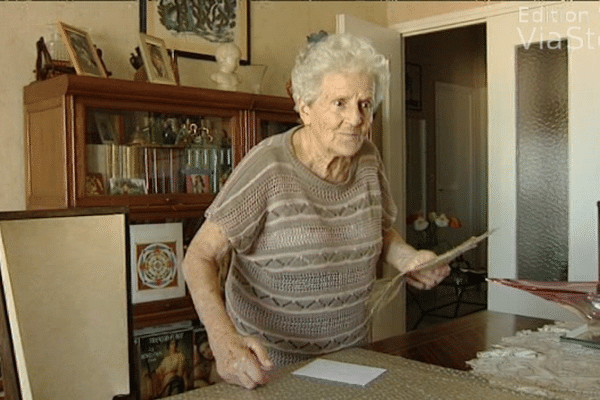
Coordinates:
<point>240,207</point>
<point>389,209</point>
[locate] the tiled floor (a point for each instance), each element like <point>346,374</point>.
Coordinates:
<point>443,299</point>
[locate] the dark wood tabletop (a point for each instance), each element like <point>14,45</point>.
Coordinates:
<point>451,344</point>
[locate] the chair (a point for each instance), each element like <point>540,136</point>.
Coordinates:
<point>461,279</point>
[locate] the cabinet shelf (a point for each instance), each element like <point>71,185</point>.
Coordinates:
<point>163,312</point>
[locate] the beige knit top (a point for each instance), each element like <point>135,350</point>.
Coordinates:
<point>305,250</point>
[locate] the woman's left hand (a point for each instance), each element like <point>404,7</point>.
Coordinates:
<point>429,278</point>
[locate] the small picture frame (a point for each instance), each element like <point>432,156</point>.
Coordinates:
<point>198,183</point>
<point>82,52</point>
<point>105,124</point>
<point>413,87</point>
<point>128,186</point>
<point>157,62</point>
<point>156,256</point>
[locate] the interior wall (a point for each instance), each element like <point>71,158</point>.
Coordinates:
<point>278,29</point>
<point>402,11</point>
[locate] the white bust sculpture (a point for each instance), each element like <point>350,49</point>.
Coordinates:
<point>228,56</point>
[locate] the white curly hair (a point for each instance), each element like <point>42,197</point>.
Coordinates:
<point>337,53</point>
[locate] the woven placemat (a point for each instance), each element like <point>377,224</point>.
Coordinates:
<point>405,379</point>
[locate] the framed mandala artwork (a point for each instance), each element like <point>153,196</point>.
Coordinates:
<point>156,255</point>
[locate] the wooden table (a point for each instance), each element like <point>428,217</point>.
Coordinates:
<point>448,344</point>
<point>451,344</point>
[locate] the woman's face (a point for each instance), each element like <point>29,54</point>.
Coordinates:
<point>340,118</point>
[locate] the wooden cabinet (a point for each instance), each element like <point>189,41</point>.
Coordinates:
<point>161,151</point>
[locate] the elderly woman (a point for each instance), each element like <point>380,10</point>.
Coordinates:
<point>308,215</point>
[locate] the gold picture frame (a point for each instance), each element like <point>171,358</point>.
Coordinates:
<point>82,52</point>
<point>157,62</point>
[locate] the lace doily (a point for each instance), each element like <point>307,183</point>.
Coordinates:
<point>537,362</point>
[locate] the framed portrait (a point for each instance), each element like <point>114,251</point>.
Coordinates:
<point>413,87</point>
<point>195,28</point>
<point>106,128</point>
<point>82,52</point>
<point>198,183</point>
<point>156,256</point>
<point>156,60</point>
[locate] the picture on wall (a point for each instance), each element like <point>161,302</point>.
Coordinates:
<point>156,256</point>
<point>413,87</point>
<point>82,52</point>
<point>195,28</point>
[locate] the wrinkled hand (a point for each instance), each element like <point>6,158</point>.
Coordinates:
<point>241,360</point>
<point>427,279</point>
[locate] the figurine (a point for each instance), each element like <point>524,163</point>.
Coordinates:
<point>136,59</point>
<point>228,56</point>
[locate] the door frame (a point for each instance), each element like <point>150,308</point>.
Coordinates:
<point>462,18</point>
<point>472,16</point>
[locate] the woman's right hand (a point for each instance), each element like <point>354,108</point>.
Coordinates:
<point>241,360</point>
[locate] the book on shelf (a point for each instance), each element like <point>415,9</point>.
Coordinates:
<point>205,369</point>
<point>161,169</point>
<point>164,360</point>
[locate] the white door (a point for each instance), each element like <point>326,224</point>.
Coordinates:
<point>455,146</point>
<point>390,321</point>
<point>579,24</point>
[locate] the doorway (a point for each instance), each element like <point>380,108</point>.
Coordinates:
<point>446,148</point>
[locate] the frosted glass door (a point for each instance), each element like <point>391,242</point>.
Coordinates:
<point>544,150</point>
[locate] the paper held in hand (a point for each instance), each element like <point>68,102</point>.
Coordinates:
<point>390,289</point>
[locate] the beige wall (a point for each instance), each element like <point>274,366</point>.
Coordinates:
<point>113,26</point>
<point>278,29</point>
<point>402,11</point>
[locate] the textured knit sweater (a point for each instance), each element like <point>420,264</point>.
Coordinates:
<point>304,250</point>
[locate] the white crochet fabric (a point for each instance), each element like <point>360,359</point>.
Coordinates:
<point>305,250</point>
<point>537,362</point>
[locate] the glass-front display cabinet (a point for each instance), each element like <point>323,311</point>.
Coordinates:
<point>145,152</point>
<point>102,142</point>
<point>162,151</point>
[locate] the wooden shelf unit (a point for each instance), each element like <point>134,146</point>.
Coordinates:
<point>60,126</point>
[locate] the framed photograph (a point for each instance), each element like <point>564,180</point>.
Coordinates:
<point>413,87</point>
<point>82,52</point>
<point>195,28</point>
<point>156,60</point>
<point>198,183</point>
<point>156,256</point>
<point>130,186</point>
<point>105,124</point>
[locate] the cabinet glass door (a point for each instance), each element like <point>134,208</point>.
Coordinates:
<point>147,153</point>
<point>270,123</point>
